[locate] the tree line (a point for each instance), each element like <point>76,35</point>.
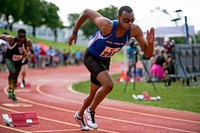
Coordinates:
<point>88,27</point>
<point>36,13</point>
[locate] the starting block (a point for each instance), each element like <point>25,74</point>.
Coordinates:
<point>27,85</point>
<point>7,120</point>
<point>32,116</point>
<point>20,119</point>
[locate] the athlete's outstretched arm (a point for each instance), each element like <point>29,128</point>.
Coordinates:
<point>147,46</point>
<point>7,38</point>
<point>104,24</point>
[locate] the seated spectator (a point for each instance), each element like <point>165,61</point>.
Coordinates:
<point>64,54</point>
<point>3,48</point>
<point>168,46</point>
<point>157,72</point>
<point>77,56</point>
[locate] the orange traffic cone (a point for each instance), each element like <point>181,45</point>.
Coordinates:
<point>123,76</point>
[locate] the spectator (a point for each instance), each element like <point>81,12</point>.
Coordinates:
<point>3,48</point>
<point>157,72</point>
<point>64,57</point>
<point>146,67</point>
<point>131,51</point>
<point>42,58</point>
<point>77,56</point>
<point>168,46</point>
<point>50,54</point>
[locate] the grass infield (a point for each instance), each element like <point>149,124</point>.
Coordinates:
<point>176,96</point>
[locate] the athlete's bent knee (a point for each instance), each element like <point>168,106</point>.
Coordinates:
<point>108,86</point>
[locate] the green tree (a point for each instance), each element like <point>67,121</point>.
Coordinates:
<point>39,12</point>
<point>72,17</point>
<point>33,14</point>
<point>11,11</point>
<point>109,12</point>
<point>198,37</point>
<point>51,18</point>
<point>179,40</point>
<point>88,27</point>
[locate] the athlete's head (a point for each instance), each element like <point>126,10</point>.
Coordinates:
<point>21,36</point>
<point>126,16</point>
<point>127,9</point>
<point>21,33</point>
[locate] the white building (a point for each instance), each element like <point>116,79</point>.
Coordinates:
<point>46,33</point>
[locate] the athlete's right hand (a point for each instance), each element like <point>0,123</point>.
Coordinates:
<point>72,39</point>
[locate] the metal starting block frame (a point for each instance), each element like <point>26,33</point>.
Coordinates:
<point>20,119</point>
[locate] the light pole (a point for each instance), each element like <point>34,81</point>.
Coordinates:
<point>187,31</point>
<point>175,20</point>
<point>186,25</point>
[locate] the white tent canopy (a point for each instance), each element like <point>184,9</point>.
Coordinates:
<point>164,27</point>
<point>174,31</point>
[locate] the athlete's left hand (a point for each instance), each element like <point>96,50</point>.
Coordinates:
<point>150,36</point>
<point>72,38</point>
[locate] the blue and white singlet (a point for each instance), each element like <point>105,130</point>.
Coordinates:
<point>103,47</point>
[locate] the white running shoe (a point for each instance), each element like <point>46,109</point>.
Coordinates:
<point>22,85</point>
<point>81,122</point>
<point>89,116</point>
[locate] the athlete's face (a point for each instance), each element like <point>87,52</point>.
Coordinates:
<point>126,19</point>
<point>20,38</point>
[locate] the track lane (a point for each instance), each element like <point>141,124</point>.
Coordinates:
<point>52,92</point>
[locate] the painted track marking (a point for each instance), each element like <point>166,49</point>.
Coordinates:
<point>52,120</point>
<point>116,109</point>
<point>114,119</point>
<point>120,110</point>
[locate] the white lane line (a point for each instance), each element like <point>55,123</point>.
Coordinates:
<point>125,121</point>
<point>40,117</point>
<point>52,107</point>
<point>109,118</point>
<point>56,131</point>
<point>14,129</point>
<point>132,112</point>
<point>52,120</point>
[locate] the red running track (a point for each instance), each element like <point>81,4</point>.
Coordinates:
<point>55,103</point>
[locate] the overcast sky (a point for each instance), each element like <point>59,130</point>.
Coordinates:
<point>141,8</point>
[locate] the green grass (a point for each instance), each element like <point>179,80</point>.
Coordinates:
<point>176,96</point>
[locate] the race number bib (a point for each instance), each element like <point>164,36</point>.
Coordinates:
<point>108,51</point>
<point>17,57</point>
